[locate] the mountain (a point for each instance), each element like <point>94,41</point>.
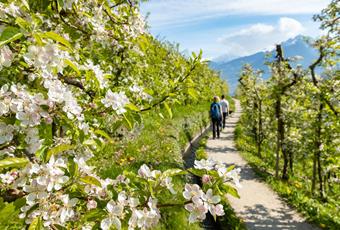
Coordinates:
<point>297,46</point>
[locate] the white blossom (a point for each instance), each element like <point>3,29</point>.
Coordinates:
<point>192,191</point>
<point>117,101</point>
<point>197,211</point>
<point>9,177</point>
<point>6,57</point>
<point>205,164</point>
<point>67,212</point>
<point>6,132</point>
<point>115,211</point>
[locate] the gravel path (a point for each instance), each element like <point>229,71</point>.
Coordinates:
<point>259,206</point>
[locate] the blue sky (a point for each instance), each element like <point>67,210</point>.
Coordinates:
<point>231,28</point>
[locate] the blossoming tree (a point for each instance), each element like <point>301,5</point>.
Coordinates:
<point>71,72</point>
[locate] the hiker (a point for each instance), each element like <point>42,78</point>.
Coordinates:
<point>216,116</point>
<point>225,110</point>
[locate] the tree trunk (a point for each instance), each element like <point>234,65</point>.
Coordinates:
<point>260,130</point>
<point>314,173</point>
<point>318,150</point>
<point>255,128</point>
<point>278,140</point>
<point>291,161</point>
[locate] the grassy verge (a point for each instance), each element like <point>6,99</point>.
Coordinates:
<point>296,191</point>
<point>158,143</point>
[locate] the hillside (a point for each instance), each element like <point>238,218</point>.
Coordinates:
<point>297,46</point>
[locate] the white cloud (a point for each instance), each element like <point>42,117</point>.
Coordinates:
<point>180,12</point>
<point>260,36</point>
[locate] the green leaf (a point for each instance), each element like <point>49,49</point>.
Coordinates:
<point>197,172</point>
<point>104,134</point>
<point>174,172</point>
<point>192,92</point>
<point>38,5</point>
<point>36,224</point>
<point>10,211</point>
<point>72,65</point>
<point>13,162</point>
<point>56,37</point>
<point>132,107</point>
<point>128,122</point>
<point>58,149</point>
<point>59,227</point>
<point>168,109</point>
<point>93,215</point>
<point>10,34</point>
<point>229,190</point>
<point>230,168</point>
<point>41,153</point>
<point>213,173</point>
<point>60,5</point>
<point>91,180</point>
<point>25,25</point>
<point>72,167</point>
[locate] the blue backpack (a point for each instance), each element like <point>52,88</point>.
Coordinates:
<point>215,111</point>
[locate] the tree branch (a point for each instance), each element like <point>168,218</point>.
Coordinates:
<point>280,58</point>
<point>316,82</point>
<point>77,84</point>
<point>72,26</point>
<point>172,90</point>
<point>112,19</point>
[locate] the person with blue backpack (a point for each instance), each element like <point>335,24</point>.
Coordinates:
<point>216,116</point>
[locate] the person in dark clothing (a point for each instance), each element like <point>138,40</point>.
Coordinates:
<point>216,116</point>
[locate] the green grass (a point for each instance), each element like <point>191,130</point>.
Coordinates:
<point>296,191</point>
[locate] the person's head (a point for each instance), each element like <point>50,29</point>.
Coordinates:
<point>216,99</point>
<point>222,97</point>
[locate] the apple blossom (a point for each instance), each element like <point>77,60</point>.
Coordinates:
<point>117,101</point>
<point>6,57</point>
<point>205,164</point>
<point>192,191</point>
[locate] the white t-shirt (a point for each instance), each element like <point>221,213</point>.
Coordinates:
<point>225,105</point>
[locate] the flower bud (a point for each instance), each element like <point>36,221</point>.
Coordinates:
<point>206,179</point>
<point>91,204</point>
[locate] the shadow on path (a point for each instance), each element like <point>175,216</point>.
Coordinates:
<point>260,217</point>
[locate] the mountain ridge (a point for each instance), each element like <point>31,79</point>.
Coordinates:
<point>297,46</point>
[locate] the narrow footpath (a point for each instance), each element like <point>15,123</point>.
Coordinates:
<point>259,206</point>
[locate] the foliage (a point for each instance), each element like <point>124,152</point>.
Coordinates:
<point>76,78</point>
<point>293,120</point>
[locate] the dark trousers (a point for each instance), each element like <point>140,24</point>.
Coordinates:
<point>216,127</point>
<point>225,115</point>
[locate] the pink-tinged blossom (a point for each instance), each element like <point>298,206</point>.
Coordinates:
<point>216,210</point>
<point>197,211</point>
<point>192,191</point>
<point>91,204</point>
<point>206,179</point>
<point>6,57</point>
